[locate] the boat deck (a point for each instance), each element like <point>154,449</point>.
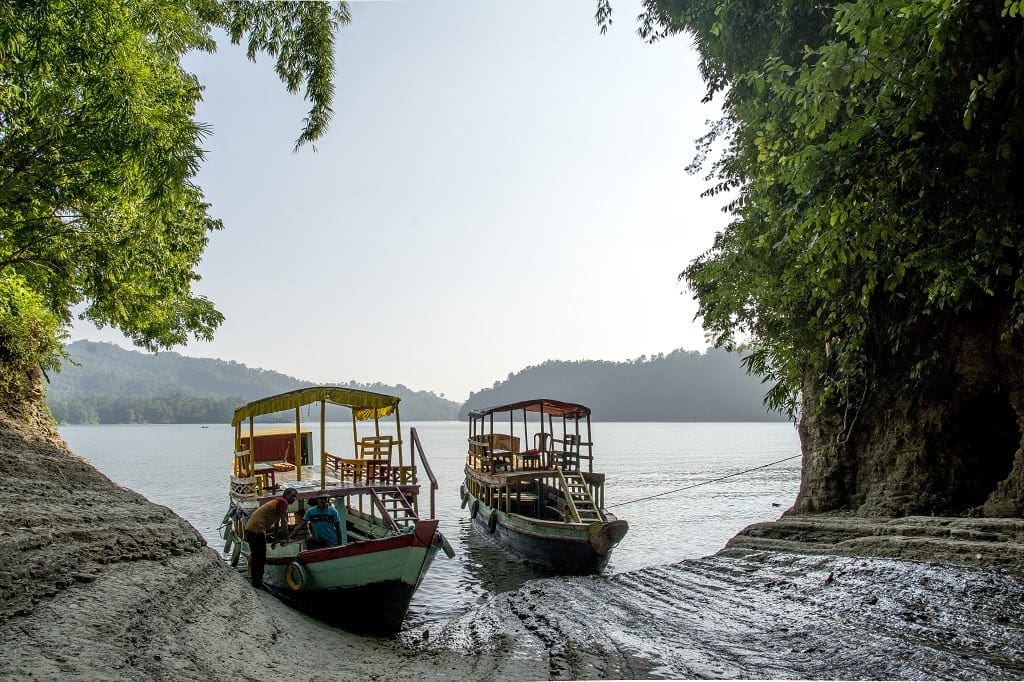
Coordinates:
<point>337,482</point>
<point>551,492</point>
<point>511,477</point>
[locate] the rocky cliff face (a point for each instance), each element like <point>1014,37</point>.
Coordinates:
<point>64,522</point>
<point>953,448</point>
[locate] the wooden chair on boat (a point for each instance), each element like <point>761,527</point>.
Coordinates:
<point>375,453</point>
<point>372,462</point>
<point>532,458</point>
<point>504,449</point>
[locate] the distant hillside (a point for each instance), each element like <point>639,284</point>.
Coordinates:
<point>112,385</point>
<point>680,386</point>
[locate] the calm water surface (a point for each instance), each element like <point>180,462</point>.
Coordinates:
<point>185,467</point>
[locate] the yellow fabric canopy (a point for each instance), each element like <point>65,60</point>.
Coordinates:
<point>364,404</point>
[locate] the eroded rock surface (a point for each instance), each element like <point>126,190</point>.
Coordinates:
<point>965,541</point>
<point>953,446</point>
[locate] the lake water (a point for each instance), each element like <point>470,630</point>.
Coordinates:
<point>185,467</point>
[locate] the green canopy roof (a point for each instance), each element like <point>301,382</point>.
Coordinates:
<point>364,404</point>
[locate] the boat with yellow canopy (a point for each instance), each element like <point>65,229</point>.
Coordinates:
<point>365,578</point>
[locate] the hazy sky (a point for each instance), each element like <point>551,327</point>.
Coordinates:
<point>501,185</point>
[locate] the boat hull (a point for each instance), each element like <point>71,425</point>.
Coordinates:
<point>365,586</point>
<point>375,609</point>
<point>550,547</point>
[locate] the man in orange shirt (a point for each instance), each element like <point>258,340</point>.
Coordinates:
<point>260,522</point>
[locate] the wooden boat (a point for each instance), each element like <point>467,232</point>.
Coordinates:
<point>538,503</point>
<point>367,581</point>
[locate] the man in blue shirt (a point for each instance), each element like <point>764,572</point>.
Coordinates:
<point>324,522</point>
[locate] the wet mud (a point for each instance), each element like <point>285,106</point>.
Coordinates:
<point>766,615</point>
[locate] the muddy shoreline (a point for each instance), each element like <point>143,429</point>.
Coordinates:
<point>98,583</point>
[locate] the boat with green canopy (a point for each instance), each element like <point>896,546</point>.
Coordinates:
<point>366,575</point>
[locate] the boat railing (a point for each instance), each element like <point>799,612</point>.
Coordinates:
<point>417,447</point>
<point>479,454</point>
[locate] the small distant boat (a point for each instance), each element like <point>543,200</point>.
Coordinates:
<point>386,547</point>
<point>205,426</point>
<point>538,503</point>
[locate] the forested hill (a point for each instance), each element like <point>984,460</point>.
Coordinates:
<point>110,385</point>
<point>680,386</point>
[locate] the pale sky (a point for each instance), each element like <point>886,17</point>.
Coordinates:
<point>501,185</point>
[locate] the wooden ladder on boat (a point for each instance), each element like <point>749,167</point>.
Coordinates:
<point>578,498</point>
<point>396,508</point>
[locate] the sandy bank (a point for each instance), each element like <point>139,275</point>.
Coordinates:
<point>98,583</point>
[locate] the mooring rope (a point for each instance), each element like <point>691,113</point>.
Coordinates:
<point>695,485</point>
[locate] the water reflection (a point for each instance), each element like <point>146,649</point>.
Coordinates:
<point>452,587</point>
<point>488,567</point>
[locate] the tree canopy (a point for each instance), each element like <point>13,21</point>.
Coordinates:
<point>870,155</point>
<point>99,149</point>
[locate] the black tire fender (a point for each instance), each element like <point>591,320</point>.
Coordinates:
<point>464,494</point>
<point>492,521</point>
<point>474,508</point>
